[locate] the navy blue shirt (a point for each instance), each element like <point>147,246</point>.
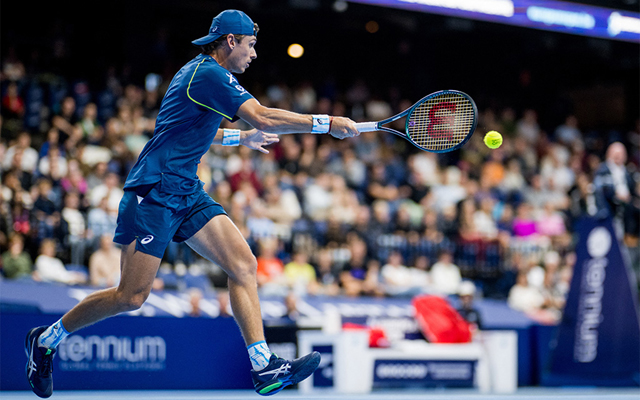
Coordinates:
<point>199,96</point>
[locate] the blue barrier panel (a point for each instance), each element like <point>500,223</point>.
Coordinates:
<point>133,353</point>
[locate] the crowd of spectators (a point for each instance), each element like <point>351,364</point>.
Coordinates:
<point>369,216</point>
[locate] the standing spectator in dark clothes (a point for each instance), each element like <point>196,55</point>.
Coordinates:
<point>615,190</point>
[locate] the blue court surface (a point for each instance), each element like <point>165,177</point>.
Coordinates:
<point>522,394</point>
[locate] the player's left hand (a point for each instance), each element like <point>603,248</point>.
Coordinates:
<point>256,140</point>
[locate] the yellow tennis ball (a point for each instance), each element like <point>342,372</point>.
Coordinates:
<point>493,139</point>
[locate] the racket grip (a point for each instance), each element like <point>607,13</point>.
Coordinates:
<point>366,126</point>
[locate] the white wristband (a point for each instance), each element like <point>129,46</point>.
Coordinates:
<point>321,123</point>
<point>231,137</point>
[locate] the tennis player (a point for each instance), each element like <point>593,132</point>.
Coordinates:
<point>164,200</point>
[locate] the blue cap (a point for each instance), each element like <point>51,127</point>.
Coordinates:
<point>229,21</point>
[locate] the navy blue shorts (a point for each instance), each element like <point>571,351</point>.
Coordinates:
<point>154,217</point>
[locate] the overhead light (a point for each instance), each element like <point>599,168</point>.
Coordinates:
<point>295,50</point>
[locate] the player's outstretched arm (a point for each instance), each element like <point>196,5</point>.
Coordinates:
<point>274,120</point>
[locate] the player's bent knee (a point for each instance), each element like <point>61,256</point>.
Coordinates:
<point>131,302</point>
<point>244,271</point>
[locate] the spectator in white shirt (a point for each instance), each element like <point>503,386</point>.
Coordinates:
<point>396,277</point>
<point>104,264</point>
<point>525,297</point>
<point>48,268</point>
<point>445,275</point>
<point>29,161</point>
<point>110,188</point>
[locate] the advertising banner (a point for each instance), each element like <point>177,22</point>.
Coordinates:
<point>133,353</point>
<point>550,15</point>
<point>598,339</point>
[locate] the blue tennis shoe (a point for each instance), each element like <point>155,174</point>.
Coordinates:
<point>40,364</point>
<point>281,373</point>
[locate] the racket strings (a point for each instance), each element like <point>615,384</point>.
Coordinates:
<point>441,122</point>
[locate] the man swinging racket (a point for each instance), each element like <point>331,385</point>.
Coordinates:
<point>164,200</point>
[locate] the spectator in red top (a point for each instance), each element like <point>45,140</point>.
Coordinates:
<point>246,174</point>
<point>270,268</point>
<point>12,103</point>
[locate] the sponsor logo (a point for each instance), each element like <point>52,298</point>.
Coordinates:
<point>283,369</point>
<point>32,364</point>
<point>401,371</point>
<point>423,370</point>
<point>241,89</point>
<point>111,353</point>
<point>231,78</point>
<point>599,242</point>
<point>147,239</point>
<point>590,316</point>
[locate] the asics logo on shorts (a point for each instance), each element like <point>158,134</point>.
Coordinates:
<point>147,239</point>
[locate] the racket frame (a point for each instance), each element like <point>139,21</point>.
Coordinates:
<point>372,126</point>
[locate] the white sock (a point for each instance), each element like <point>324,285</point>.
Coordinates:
<point>259,354</point>
<point>53,335</point>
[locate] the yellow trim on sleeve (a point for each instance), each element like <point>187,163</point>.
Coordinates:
<point>198,103</point>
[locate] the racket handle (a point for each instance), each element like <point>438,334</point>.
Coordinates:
<point>366,126</point>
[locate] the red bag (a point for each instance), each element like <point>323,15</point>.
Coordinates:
<point>377,336</point>
<point>439,322</point>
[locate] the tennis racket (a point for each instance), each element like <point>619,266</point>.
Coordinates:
<point>440,122</point>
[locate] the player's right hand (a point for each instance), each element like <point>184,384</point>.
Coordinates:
<point>342,127</point>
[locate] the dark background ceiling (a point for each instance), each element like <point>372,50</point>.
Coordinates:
<point>415,53</point>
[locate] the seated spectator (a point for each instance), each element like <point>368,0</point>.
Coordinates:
<point>420,273</point>
<point>259,225</point>
<point>550,222</point>
<point>29,159</point>
<point>525,297</point>
<point>299,274</point>
<point>104,264</point>
<point>245,174</point>
<point>45,212</point>
<point>483,220</point>
<point>450,192</point>
<point>554,299</point>
<point>523,224</point>
<point>327,279</point>
<point>283,206</point>
<point>568,133</point>
<point>76,232</point>
<point>466,293</point>
<point>48,268</point>
<point>318,197</point>
<point>445,275</point>
<point>110,188</point>
<point>74,181</point>
<point>224,304</point>
<point>100,221</point>
<point>360,277</point>
<point>53,165</point>
<point>270,268</point>
<point>195,295</point>
<point>16,263</point>
<point>396,277</point>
